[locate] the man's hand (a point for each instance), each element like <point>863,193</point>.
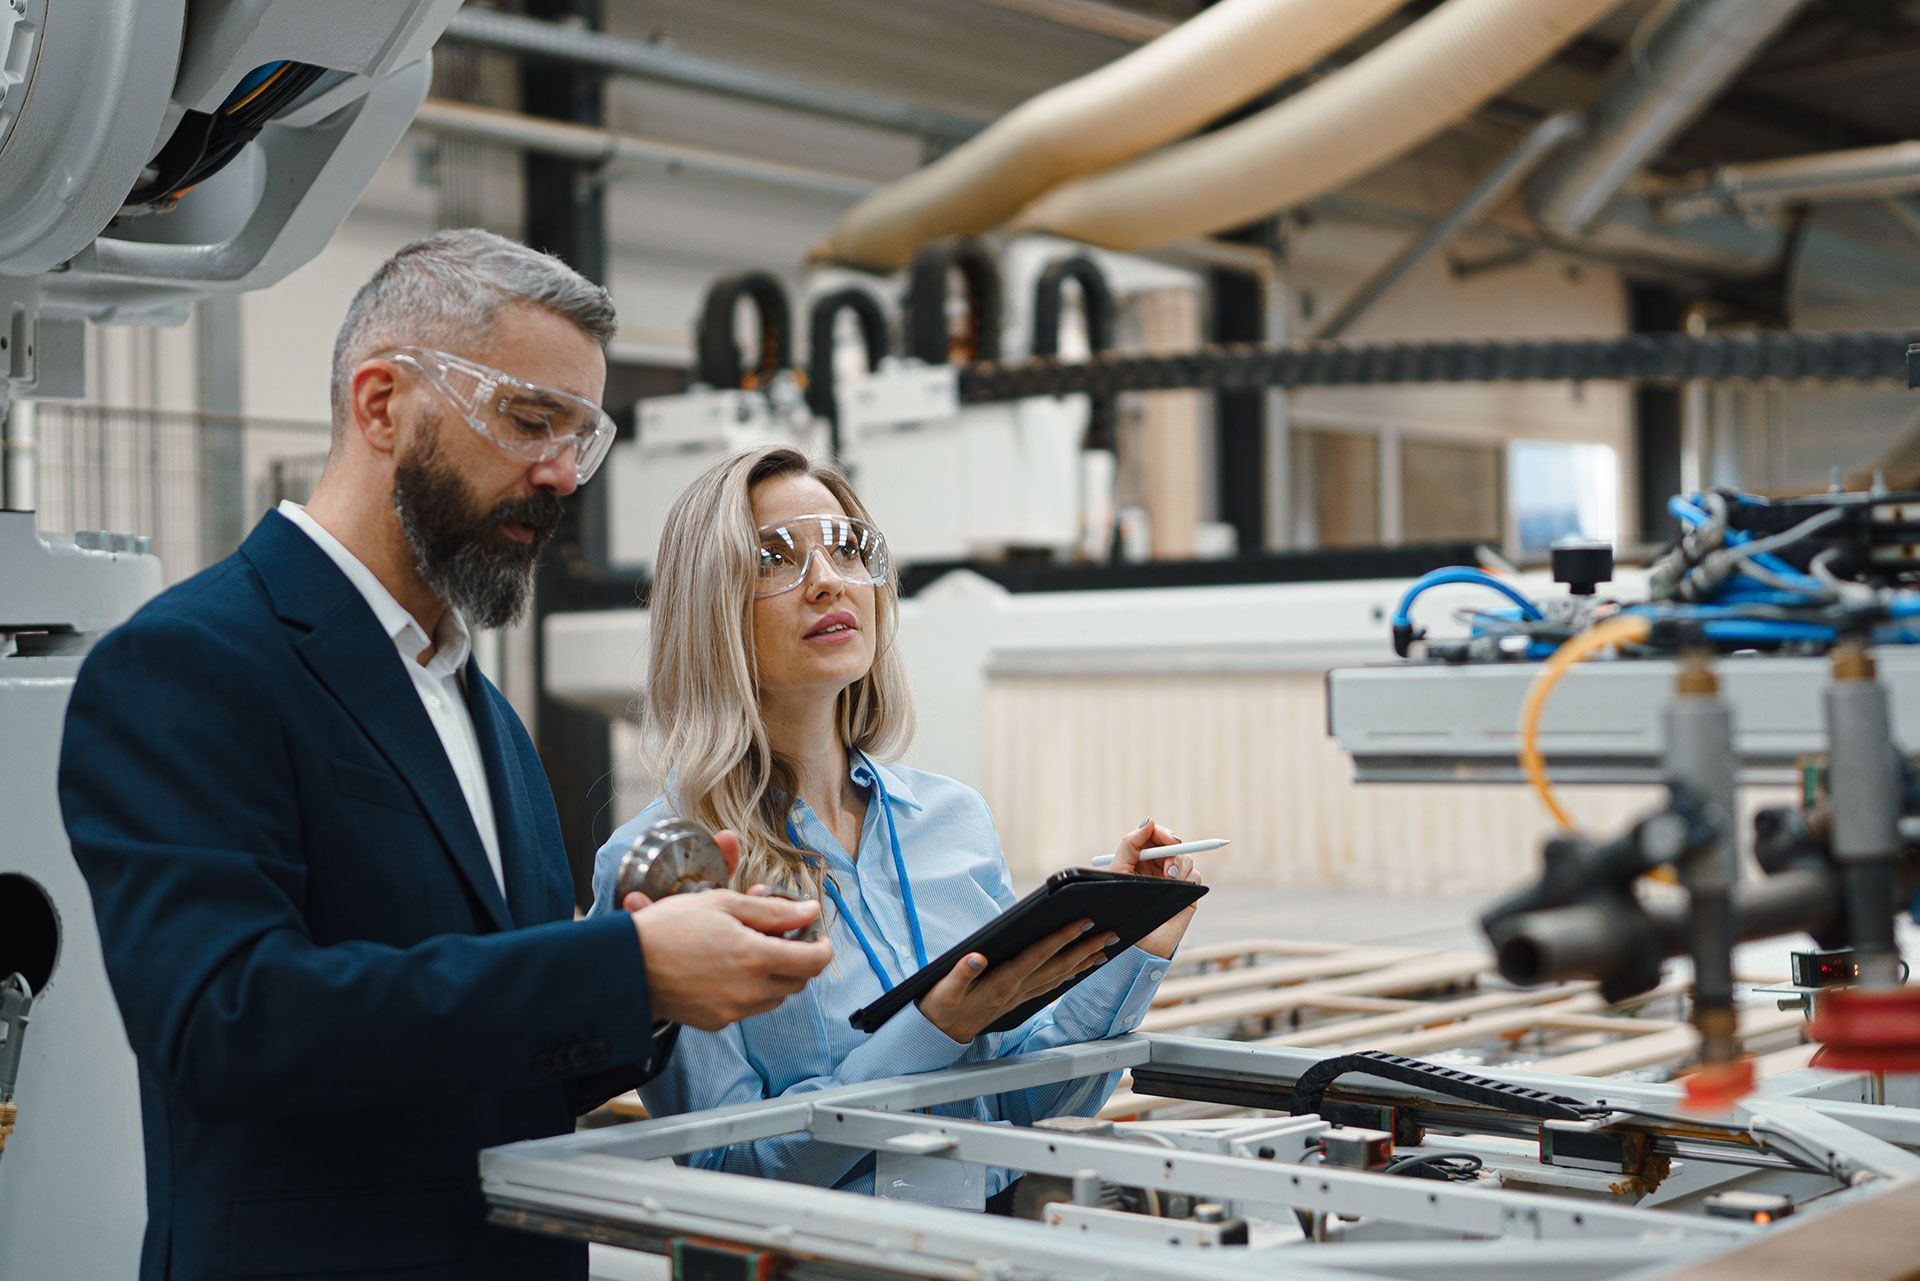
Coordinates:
<point>716,958</point>
<point>1126,858</point>
<point>968,1000</point>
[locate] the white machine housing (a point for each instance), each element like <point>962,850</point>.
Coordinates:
<point>90,93</point>
<point>949,482</point>
<point>73,1177</point>
<point>678,437</point>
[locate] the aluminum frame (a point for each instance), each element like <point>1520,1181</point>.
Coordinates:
<point>615,1185</point>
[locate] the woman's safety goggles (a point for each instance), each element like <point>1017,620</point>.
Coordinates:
<point>852,548</point>
<point>528,419</point>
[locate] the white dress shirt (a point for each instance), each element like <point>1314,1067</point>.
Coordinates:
<point>437,681</point>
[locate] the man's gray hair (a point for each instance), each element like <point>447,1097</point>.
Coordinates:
<point>447,288</point>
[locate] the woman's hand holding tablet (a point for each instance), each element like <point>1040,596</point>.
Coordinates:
<point>973,995</point>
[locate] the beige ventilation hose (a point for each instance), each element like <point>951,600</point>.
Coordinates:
<point>1161,91</point>
<point>1362,116</point>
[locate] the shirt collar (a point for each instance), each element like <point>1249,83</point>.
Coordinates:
<point>862,769</point>
<point>454,642</point>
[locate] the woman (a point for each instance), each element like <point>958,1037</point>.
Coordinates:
<point>772,687</point>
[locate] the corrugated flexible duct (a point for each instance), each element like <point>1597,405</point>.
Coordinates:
<point>1161,91</point>
<point>1362,116</point>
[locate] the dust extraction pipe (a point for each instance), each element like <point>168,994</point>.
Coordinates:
<point>1365,114</point>
<point>1655,90</point>
<point>1159,92</point>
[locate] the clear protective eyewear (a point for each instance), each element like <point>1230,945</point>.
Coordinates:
<point>852,548</point>
<point>531,420</point>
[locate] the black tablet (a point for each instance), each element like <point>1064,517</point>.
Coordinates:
<point>1129,906</point>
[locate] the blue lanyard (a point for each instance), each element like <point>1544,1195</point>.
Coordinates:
<point>900,870</point>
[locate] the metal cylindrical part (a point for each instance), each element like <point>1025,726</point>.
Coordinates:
<point>1864,776</point>
<point>1871,891</point>
<point>19,466</point>
<point>1699,755</point>
<point>1562,943</point>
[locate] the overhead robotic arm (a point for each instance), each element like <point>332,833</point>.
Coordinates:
<point>155,151</point>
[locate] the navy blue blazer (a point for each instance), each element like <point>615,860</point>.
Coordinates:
<point>332,1006</point>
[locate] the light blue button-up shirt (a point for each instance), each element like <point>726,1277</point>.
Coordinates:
<point>959,880</point>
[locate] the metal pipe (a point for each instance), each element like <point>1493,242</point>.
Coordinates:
<point>1558,944</point>
<point>1657,86</point>
<point>1866,800</point>
<point>614,55</point>
<point>591,145</point>
<point>1700,755</point>
<point>19,472</point>
<point>1092,15</point>
<point>1538,144</point>
<point>1865,173</point>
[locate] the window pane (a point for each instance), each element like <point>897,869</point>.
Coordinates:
<point>1561,491</point>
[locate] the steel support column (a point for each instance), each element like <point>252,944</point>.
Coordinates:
<point>566,216</point>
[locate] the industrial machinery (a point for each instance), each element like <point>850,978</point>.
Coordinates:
<point>152,152</point>
<point>1829,575</point>
<point>1413,1169</point>
<point>730,407</point>
<point>73,1173</point>
<point>1031,475</point>
<point>1011,471</point>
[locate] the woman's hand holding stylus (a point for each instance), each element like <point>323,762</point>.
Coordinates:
<point>1126,858</point>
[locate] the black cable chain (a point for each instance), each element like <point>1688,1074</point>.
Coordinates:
<point>1866,356</point>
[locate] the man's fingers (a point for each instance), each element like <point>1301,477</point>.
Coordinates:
<point>771,915</point>
<point>634,901</point>
<point>789,961</point>
<point>729,848</point>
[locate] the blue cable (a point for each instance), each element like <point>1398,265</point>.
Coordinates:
<point>1403,633</point>
<point>1766,632</point>
<point>251,81</point>
<point>1462,574</point>
<point>1685,510</point>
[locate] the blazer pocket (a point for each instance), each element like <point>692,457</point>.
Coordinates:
<point>371,786</point>
<point>290,1235</point>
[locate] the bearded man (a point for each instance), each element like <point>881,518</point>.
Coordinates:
<point>326,865</point>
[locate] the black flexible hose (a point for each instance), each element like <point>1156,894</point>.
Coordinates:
<point>718,360</point>
<point>928,336</point>
<point>821,320</point>
<point>1096,302</point>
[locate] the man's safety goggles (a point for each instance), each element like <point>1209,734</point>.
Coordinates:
<point>852,548</point>
<point>528,419</point>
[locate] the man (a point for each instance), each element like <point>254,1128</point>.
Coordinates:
<point>327,868</point>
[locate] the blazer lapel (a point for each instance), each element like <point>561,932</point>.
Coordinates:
<point>533,895</point>
<point>349,653</point>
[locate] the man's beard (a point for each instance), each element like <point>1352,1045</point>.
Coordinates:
<point>460,552</point>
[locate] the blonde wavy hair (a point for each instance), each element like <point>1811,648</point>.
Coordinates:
<point>703,733</point>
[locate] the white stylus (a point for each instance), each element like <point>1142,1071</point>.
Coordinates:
<point>1166,851</point>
